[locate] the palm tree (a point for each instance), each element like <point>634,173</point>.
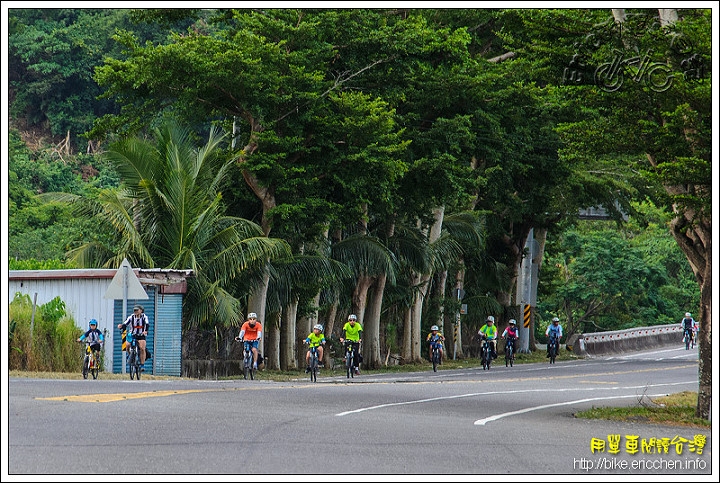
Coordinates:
<point>169,213</point>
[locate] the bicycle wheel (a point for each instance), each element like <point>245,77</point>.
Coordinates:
<point>512,356</point>
<point>687,341</point>
<point>489,357</point>
<point>137,369</point>
<point>86,363</point>
<point>131,365</point>
<point>313,369</point>
<point>349,356</point>
<point>553,353</point>
<point>94,367</point>
<point>435,361</point>
<point>507,355</point>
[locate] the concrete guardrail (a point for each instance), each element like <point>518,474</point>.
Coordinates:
<point>620,341</point>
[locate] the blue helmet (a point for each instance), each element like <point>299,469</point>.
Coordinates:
<point>93,322</point>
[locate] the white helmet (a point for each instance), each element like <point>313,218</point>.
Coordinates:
<point>688,314</point>
<point>318,327</point>
<point>434,327</point>
<point>511,321</point>
<point>491,318</point>
<point>555,319</point>
<point>252,315</point>
<point>352,317</point>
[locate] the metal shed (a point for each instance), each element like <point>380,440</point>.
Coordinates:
<point>83,292</point>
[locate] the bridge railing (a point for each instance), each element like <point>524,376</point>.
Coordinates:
<point>628,340</point>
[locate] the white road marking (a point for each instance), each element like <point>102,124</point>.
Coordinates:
<point>481,422</point>
<point>491,393</point>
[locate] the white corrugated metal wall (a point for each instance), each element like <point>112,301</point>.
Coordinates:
<point>84,300</point>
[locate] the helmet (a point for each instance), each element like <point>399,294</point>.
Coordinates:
<point>555,319</point>
<point>434,327</point>
<point>491,318</point>
<point>352,317</point>
<point>318,327</point>
<point>511,321</point>
<point>252,315</point>
<point>93,322</point>
<point>139,307</point>
<point>688,314</point>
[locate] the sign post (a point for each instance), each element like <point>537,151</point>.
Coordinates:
<point>125,285</point>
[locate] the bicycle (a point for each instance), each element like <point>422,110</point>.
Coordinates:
<point>509,352</point>
<point>435,345</point>
<point>486,354</point>
<point>248,366</point>
<point>689,339</point>
<point>314,364</point>
<point>553,349</point>
<point>91,363</point>
<point>350,358</point>
<point>133,358</point>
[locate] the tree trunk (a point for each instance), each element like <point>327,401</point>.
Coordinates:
<point>459,283</point>
<point>257,304</point>
<point>288,361</point>
<point>371,325</point>
<point>271,334</point>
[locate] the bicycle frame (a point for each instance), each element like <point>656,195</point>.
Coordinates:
<point>350,358</point>
<point>248,369</point>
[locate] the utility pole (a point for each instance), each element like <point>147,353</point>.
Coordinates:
<point>527,283</point>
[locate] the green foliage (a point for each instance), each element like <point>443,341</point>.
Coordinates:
<point>599,277</point>
<point>33,264</point>
<point>46,344</point>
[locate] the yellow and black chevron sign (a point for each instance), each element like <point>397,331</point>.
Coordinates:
<point>124,340</point>
<point>526,320</point>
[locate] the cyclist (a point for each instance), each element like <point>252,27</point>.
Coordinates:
<point>554,331</point>
<point>94,336</point>
<point>251,331</point>
<point>436,339</point>
<point>689,325</point>
<point>353,333</point>
<point>315,339</point>
<point>490,332</point>
<point>137,326</point>
<point>511,333</point>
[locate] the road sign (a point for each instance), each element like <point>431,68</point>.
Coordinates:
<point>526,320</point>
<point>124,279</point>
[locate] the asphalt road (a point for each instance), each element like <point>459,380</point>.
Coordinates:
<point>517,420</point>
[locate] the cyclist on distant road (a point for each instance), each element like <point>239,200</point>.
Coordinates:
<point>94,337</point>
<point>353,332</point>
<point>489,331</point>
<point>316,338</point>
<point>436,338</point>
<point>689,325</point>
<point>511,333</point>
<point>554,331</point>
<point>251,331</point>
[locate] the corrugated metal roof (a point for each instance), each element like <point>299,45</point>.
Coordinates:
<point>72,273</point>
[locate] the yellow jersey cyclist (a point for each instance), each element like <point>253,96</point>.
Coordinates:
<point>316,338</point>
<point>353,333</point>
<point>489,331</point>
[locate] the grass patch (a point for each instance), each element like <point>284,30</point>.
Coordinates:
<point>675,410</point>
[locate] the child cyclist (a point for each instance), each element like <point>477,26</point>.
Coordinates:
<point>511,334</point>
<point>94,337</point>
<point>315,339</point>
<point>435,338</point>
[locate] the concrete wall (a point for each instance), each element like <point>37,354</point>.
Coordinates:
<point>629,340</point>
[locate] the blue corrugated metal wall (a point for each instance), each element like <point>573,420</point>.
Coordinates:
<point>149,306</point>
<point>168,336</point>
<point>164,338</point>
